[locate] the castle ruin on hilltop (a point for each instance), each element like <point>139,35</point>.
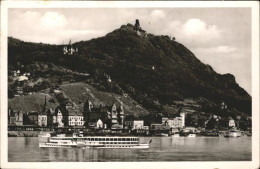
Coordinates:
<point>70,49</point>
<point>139,29</point>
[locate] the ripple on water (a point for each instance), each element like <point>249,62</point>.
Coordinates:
<point>25,149</point>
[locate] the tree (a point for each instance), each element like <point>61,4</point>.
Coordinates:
<point>189,121</point>
<point>212,124</point>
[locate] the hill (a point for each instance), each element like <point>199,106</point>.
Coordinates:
<point>80,92</point>
<point>153,70</point>
<point>32,102</point>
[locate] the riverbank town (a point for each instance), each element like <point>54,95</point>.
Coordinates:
<point>102,120</point>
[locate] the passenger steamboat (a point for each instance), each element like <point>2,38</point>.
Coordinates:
<point>95,141</point>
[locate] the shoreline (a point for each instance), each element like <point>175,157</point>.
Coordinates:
<point>36,133</point>
<point>23,133</point>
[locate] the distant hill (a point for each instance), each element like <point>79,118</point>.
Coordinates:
<point>31,102</point>
<point>153,70</point>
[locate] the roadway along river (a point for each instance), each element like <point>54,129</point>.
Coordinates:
<point>26,149</point>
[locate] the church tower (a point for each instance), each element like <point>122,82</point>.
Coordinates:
<point>87,108</point>
<point>114,114</point>
<point>44,106</point>
<point>121,114</point>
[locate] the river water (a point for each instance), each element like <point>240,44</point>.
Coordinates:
<point>26,149</point>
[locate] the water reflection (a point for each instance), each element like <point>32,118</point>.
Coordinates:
<point>161,149</point>
<point>177,141</point>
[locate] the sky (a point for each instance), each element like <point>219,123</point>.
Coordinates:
<point>220,37</point>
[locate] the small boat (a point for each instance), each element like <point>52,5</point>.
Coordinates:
<point>210,134</point>
<point>164,134</point>
<point>44,134</point>
<point>233,133</point>
<point>191,135</point>
<point>249,134</point>
<point>95,142</point>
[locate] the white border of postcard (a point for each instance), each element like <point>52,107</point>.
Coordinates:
<point>254,5</point>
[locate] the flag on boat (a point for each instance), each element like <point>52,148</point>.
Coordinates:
<point>150,141</point>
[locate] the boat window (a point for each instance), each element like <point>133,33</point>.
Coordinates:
<point>103,139</point>
<point>99,139</point>
<point>107,139</point>
<point>92,139</point>
<point>115,139</point>
<point>123,139</point>
<point>119,139</point>
<point>128,139</point>
<point>96,139</point>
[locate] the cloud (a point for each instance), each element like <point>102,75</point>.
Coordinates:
<point>226,49</point>
<point>217,49</point>
<point>52,20</point>
<point>194,26</point>
<point>194,32</point>
<point>158,14</point>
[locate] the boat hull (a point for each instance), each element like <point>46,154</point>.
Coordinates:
<point>50,145</point>
<point>95,142</point>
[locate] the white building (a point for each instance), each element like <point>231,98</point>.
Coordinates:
<point>232,123</point>
<point>42,120</point>
<point>176,122</point>
<point>189,129</point>
<point>135,124</point>
<point>97,124</point>
<point>59,119</point>
<point>22,78</point>
<point>183,119</point>
<point>75,117</point>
